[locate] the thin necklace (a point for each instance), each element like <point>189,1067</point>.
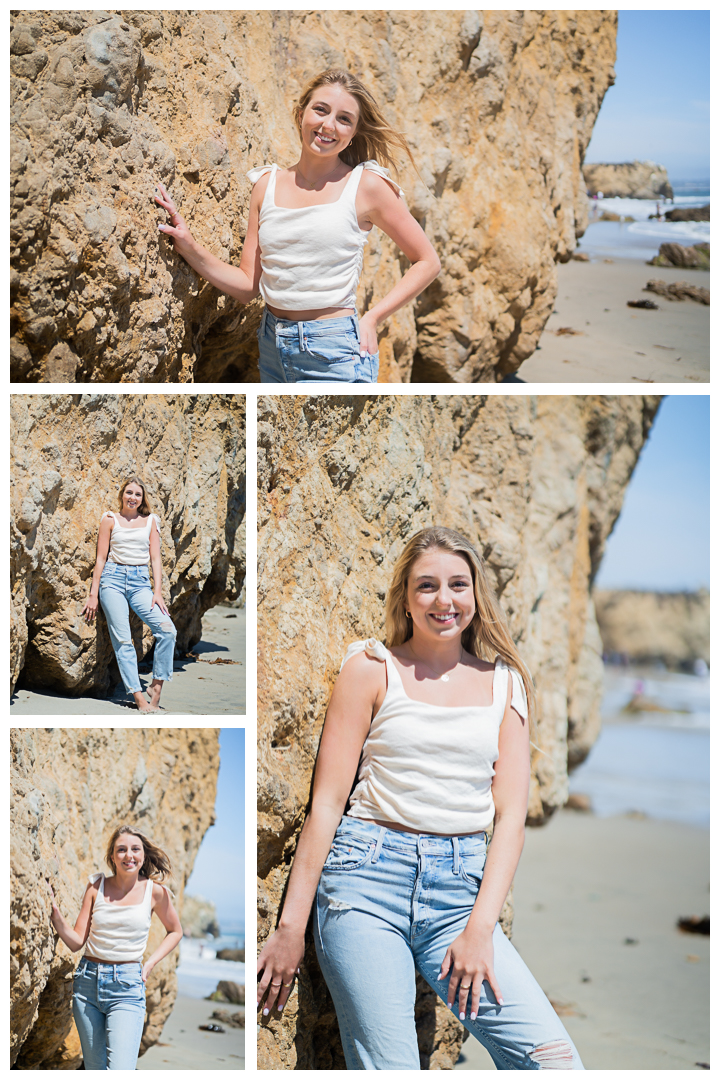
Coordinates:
<point>314,185</point>
<point>446,676</point>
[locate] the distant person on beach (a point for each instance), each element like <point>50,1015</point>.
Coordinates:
<point>438,720</point>
<point>306,231</point>
<point>114,925</point>
<point>127,541</point>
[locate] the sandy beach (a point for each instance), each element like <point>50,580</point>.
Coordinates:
<point>615,343</point>
<point>596,905</point>
<point>183,1046</point>
<point>198,687</point>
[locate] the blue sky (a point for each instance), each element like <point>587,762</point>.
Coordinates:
<point>662,538</point>
<point>218,873</point>
<point>659,107</point>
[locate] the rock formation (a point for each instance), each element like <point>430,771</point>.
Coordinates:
<point>647,626</point>
<point>498,107</point>
<point>70,787</point>
<point>344,482</point>
<point>696,257</point>
<point>678,290</point>
<point>689,213</point>
<point>69,455</point>
<point>630,180</point>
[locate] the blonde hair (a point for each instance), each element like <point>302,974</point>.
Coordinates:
<point>144,508</point>
<point>487,636</point>
<point>375,137</point>
<point>156,865</point>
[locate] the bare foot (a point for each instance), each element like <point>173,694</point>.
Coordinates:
<point>142,703</point>
<point>155,692</point>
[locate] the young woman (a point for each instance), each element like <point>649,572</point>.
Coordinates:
<point>114,924</point>
<point>306,231</point>
<point>127,540</point>
<point>405,880</point>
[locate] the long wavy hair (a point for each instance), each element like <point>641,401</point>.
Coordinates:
<point>488,635</point>
<point>144,508</point>
<point>156,864</point>
<point>375,137</point>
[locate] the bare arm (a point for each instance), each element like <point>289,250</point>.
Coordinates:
<point>74,937</point>
<point>103,547</point>
<point>242,282</point>
<point>156,561</point>
<point>356,696</point>
<point>471,954</point>
<point>383,206</point>
<point>168,916</point>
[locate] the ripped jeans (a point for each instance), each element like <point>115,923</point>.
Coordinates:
<point>125,587</point>
<point>391,902</point>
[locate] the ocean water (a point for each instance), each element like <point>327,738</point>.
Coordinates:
<point>654,763</point>
<point>641,238</point>
<point>199,971</point>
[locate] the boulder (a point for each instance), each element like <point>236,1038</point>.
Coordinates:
<point>692,213</point>
<point>689,258</point>
<point>629,180</point>
<point>498,108</point>
<point>644,627</point>
<point>344,481</point>
<point>678,290</point>
<point>69,788</point>
<point>69,455</point>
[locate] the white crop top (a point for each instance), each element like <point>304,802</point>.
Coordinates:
<point>119,932</point>
<point>311,256</point>
<point>130,547</point>
<point>430,767</point>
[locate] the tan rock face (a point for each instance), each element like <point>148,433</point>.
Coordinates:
<point>648,626</point>
<point>498,107</point>
<point>344,482</point>
<point>69,789</point>
<point>630,180</point>
<point>69,457</point>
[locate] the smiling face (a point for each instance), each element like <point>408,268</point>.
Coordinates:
<point>128,853</point>
<point>440,595</point>
<point>329,121</point>
<point>132,499</point>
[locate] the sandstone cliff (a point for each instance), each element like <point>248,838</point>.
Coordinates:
<point>498,106</point>
<point>649,626</point>
<point>343,483</point>
<point>630,180</point>
<point>69,455</point>
<point>69,789</point>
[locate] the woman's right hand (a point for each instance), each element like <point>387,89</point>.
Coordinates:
<point>90,610</point>
<point>279,961</point>
<point>177,229</point>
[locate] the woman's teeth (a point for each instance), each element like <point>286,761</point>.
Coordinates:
<point>445,618</point>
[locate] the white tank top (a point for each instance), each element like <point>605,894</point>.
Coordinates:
<point>430,767</point>
<point>130,547</point>
<point>311,256</point>
<point>119,932</point>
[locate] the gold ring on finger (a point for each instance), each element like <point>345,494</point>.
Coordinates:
<point>465,987</point>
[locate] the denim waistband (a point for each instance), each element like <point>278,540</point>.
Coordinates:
<point>111,963</point>
<point>115,567</point>
<point>421,843</point>
<point>312,327</point>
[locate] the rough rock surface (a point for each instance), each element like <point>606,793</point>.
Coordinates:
<point>649,626</point>
<point>69,455</point>
<point>200,917</point>
<point>678,290</point>
<point>343,483</point>
<point>690,258</point>
<point>70,787</point>
<point>629,180</point>
<point>498,106</point>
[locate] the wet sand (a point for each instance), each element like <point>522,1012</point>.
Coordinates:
<point>183,1046</point>
<point>616,343</point>
<point>596,903</point>
<point>198,687</point>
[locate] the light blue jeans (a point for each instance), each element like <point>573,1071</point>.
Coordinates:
<point>109,1013</point>
<point>125,587</point>
<point>323,350</point>
<point>389,902</point>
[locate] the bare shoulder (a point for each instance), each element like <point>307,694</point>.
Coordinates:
<point>376,191</point>
<point>478,664</point>
<point>361,667</point>
<point>159,892</point>
<point>259,189</point>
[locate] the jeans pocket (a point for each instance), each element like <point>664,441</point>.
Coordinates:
<point>349,853</point>
<point>333,349</point>
<point>472,867</point>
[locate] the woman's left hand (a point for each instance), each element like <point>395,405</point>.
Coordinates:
<point>147,968</point>
<point>471,958</point>
<point>368,335</point>
<point>157,599</point>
